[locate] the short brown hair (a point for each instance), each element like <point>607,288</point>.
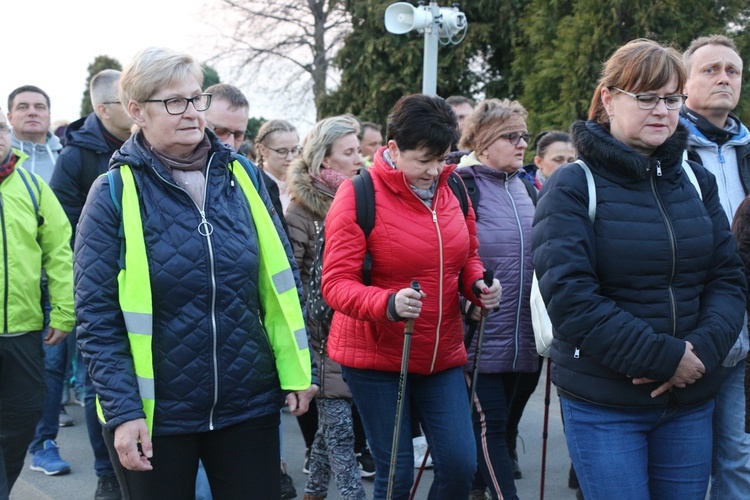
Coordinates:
<point>687,57</point>
<point>638,66</point>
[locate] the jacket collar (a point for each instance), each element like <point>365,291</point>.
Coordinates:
<point>594,143</point>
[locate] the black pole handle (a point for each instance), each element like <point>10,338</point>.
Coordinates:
<point>489,277</point>
<point>409,325</point>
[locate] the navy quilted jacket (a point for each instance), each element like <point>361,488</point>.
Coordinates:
<point>658,267</point>
<point>213,362</point>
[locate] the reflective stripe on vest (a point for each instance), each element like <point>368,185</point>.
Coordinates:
<point>282,313</point>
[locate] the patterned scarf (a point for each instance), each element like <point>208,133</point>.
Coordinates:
<point>8,167</point>
<point>331,178</point>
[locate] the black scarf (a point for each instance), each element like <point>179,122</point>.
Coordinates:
<point>713,133</point>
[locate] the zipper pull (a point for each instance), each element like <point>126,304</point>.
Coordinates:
<point>205,228</point>
<point>658,168</point>
<point>577,354</point>
<point>434,217</point>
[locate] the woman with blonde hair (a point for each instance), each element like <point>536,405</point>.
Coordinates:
<point>330,156</point>
<point>644,287</point>
<point>187,299</point>
<point>276,146</point>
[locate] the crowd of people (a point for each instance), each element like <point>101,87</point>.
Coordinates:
<point>376,282</point>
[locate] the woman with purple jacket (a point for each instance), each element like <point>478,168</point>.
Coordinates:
<point>497,137</point>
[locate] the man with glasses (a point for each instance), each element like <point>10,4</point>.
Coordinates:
<point>228,117</point>
<point>91,141</point>
<point>30,118</point>
<point>721,143</point>
<point>28,203</point>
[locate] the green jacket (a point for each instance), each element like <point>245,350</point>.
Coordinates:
<point>32,241</point>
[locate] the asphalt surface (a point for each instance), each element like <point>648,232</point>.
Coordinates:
<point>81,482</point>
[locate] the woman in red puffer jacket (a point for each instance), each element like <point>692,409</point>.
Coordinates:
<point>420,234</point>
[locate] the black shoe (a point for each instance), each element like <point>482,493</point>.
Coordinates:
<point>517,474</point>
<point>108,488</point>
<point>573,479</point>
<point>366,463</point>
<point>287,487</point>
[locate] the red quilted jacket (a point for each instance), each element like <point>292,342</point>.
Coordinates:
<point>409,242</point>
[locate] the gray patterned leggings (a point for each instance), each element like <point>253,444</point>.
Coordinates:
<point>333,452</point>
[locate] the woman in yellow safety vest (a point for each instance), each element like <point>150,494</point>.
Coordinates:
<point>187,299</point>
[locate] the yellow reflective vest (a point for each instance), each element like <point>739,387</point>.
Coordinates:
<point>282,313</point>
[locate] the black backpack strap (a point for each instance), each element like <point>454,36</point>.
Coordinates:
<point>364,194</point>
<point>458,188</point>
<point>114,176</point>
<point>470,182</point>
<point>531,188</point>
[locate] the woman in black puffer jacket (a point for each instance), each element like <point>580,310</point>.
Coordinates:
<point>646,299</point>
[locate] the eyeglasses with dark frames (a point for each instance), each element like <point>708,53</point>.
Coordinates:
<point>650,101</point>
<point>225,132</point>
<point>283,152</point>
<point>178,105</point>
<point>111,102</point>
<point>515,137</point>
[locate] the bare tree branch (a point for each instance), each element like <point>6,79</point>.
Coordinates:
<point>303,34</point>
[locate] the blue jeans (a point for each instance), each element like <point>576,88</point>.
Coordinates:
<point>730,472</point>
<point>55,358</point>
<point>102,463</point>
<point>443,409</point>
<point>627,453</point>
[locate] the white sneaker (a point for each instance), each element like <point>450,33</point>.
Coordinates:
<point>420,448</point>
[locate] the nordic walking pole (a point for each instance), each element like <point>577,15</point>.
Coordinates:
<point>408,329</point>
<point>488,277</point>
<point>546,423</point>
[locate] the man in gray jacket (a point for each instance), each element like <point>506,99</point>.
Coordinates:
<point>29,115</point>
<point>721,143</point>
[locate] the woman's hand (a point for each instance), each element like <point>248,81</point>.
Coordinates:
<point>299,401</point>
<point>689,370</point>
<point>128,437</point>
<point>490,297</point>
<point>409,303</point>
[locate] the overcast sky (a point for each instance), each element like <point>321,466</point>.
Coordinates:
<point>50,43</point>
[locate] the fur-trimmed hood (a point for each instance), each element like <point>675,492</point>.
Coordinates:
<point>308,192</point>
<point>594,142</point>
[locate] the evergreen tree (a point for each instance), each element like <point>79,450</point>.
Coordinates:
<point>210,76</point>
<point>566,41</point>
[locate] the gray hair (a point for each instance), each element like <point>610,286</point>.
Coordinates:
<point>104,86</point>
<point>154,68</point>
<point>319,141</point>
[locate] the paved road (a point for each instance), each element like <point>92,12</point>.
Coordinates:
<point>81,482</point>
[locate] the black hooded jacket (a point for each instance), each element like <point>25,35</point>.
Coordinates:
<point>657,267</point>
